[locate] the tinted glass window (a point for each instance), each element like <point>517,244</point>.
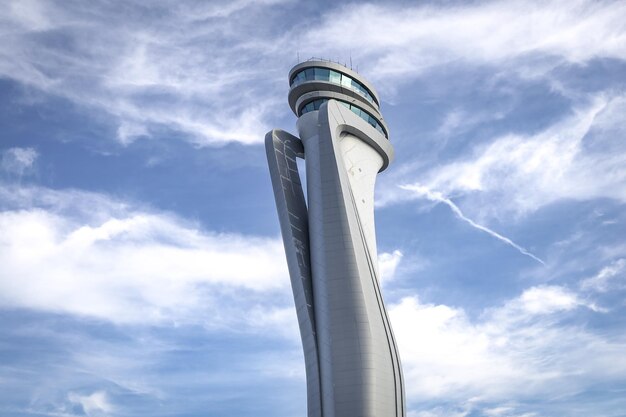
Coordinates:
<point>322,74</point>
<point>346,81</point>
<point>335,77</point>
<point>315,105</point>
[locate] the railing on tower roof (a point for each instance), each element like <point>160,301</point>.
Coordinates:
<point>314,58</point>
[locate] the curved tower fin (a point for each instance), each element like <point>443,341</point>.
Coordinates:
<point>282,149</point>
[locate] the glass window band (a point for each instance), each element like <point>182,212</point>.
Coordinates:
<point>332,76</point>
<point>315,105</point>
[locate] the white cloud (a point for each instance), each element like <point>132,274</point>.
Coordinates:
<point>545,300</point>
<point>128,132</point>
<point>388,263</point>
<point>606,278</point>
<point>442,352</point>
<point>202,10</point>
<point>94,405</point>
<point>461,120</point>
<point>18,161</point>
<point>130,265</point>
<point>526,348</point>
<point>28,14</point>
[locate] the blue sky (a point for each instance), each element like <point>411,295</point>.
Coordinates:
<point>141,267</point>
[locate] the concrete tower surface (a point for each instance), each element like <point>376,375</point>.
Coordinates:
<point>352,362</point>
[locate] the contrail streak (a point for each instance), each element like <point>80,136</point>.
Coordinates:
<point>436,196</point>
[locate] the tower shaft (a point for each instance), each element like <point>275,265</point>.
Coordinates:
<point>352,361</point>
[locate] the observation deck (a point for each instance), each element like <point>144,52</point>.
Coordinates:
<point>314,82</point>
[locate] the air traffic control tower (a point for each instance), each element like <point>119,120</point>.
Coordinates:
<point>351,358</point>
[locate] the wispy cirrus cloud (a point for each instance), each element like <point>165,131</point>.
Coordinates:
<point>580,157</point>
<point>93,405</point>
<point>404,42</point>
<point>18,161</point>
<point>608,277</point>
<point>215,71</point>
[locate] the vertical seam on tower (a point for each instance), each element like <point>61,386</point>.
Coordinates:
<point>381,309</point>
